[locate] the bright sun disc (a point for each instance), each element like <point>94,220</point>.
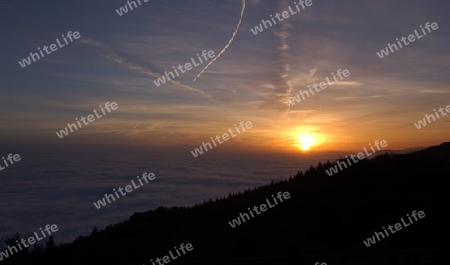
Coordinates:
<point>306,142</point>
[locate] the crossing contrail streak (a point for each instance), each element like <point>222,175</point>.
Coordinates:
<point>226,46</point>
<point>120,60</point>
<point>283,64</point>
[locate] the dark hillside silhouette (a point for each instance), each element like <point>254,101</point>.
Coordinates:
<point>326,219</point>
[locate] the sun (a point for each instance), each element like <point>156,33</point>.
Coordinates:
<point>306,138</point>
<point>306,142</point>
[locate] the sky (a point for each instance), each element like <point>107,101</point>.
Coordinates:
<point>117,58</point>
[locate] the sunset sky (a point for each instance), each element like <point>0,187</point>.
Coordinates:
<point>117,56</point>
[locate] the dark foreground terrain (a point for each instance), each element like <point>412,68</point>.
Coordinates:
<point>326,220</point>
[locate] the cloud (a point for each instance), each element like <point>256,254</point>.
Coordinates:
<point>348,83</point>
<point>120,60</point>
<point>93,43</point>
<point>313,71</point>
<point>434,91</point>
<point>283,92</point>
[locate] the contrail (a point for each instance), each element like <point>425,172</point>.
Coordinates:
<point>120,60</point>
<point>226,46</point>
<point>283,64</point>
<point>284,86</point>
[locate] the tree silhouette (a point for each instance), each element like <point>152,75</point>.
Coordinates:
<point>325,217</point>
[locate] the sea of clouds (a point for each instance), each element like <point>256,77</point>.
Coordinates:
<point>59,186</point>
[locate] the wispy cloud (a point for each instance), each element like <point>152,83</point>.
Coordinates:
<point>284,88</point>
<point>348,83</point>
<point>434,91</point>
<point>120,60</point>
